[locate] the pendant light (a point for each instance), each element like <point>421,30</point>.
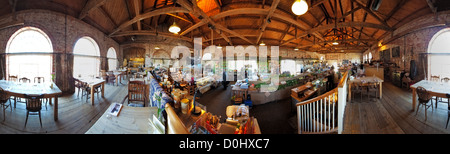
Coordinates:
<point>299,7</point>
<point>262,43</point>
<point>174,28</point>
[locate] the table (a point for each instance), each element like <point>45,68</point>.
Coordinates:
<point>367,79</point>
<point>131,120</point>
<point>94,82</point>
<point>119,76</point>
<point>434,88</point>
<point>20,89</point>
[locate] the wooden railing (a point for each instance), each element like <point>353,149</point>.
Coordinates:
<point>319,115</point>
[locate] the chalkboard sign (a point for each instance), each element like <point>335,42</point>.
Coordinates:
<point>396,52</point>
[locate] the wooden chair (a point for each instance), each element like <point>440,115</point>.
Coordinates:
<point>358,88</point>
<point>424,98</point>
<point>4,97</point>
<point>86,90</point>
<point>78,86</point>
<point>24,80</point>
<point>39,79</point>
<point>137,93</point>
<point>372,88</point>
<point>446,79</point>
<point>239,96</point>
<point>12,78</point>
<point>435,78</point>
<point>111,77</point>
<point>34,105</point>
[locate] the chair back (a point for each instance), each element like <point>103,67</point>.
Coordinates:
<point>33,102</point>
<point>423,94</point>
<point>12,78</point>
<point>78,83</point>
<point>434,78</point>
<point>446,79</point>
<point>137,91</point>
<point>4,97</point>
<point>39,79</point>
<point>24,79</point>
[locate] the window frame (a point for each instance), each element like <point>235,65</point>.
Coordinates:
<point>9,53</point>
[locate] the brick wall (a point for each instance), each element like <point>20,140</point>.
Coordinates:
<point>63,31</point>
<point>413,39</point>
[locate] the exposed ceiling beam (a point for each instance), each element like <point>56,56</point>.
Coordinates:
<point>151,33</point>
<point>339,25</point>
<point>194,9</point>
<point>367,9</point>
<point>267,19</point>
<point>137,12</point>
<point>396,8</point>
<point>432,6</point>
<point>90,5</point>
<point>148,15</point>
<point>349,13</point>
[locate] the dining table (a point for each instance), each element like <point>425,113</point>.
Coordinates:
<point>434,88</point>
<point>119,76</point>
<point>366,79</point>
<point>92,83</point>
<point>19,89</point>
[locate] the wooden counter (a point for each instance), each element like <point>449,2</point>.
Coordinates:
<point>131,120</point>
<point>307,90</point>
<point>378,72</point>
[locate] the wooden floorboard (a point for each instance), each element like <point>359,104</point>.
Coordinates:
<point>392,115</point>
<point>76,115</point>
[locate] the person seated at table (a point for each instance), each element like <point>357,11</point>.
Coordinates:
<point>361,71</point>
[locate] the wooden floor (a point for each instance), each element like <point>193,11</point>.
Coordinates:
<point>390,115</point>
<point>393,115</point>
<point>76,115</point>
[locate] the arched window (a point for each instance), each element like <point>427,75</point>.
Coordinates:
<point>370,57</point>
<point>439,54</point>
<point>86,59</point>
<point>29,54</point>
<point>112,59</point>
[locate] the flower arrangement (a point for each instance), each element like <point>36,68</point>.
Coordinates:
<point>53,74</point>
<point>157,96</point>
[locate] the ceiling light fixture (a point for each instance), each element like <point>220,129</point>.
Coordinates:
<point>299,7</point>
<point>157,48</point>
<point>296,49</point>
<point>335,43</point>
<point>219,47</point>
<point>262,43</point>
<point>174,28</point>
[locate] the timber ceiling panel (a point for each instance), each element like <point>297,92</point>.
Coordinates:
<point>244,22</point>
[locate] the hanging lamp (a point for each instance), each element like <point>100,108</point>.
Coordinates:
<point>299,7</point>
<point>174,28</point>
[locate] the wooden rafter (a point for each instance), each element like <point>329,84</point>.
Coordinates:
<point>339,25</point>
<point>266,21</point>
<point>148,15</point>
<point>367,9</point>
<point>107,16</point>
<point>137,12</point>
<point>395,9</point>
<point>90,5</point>
<point>152,33</point>
<point>432,6</point>
<point>194,9</point>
